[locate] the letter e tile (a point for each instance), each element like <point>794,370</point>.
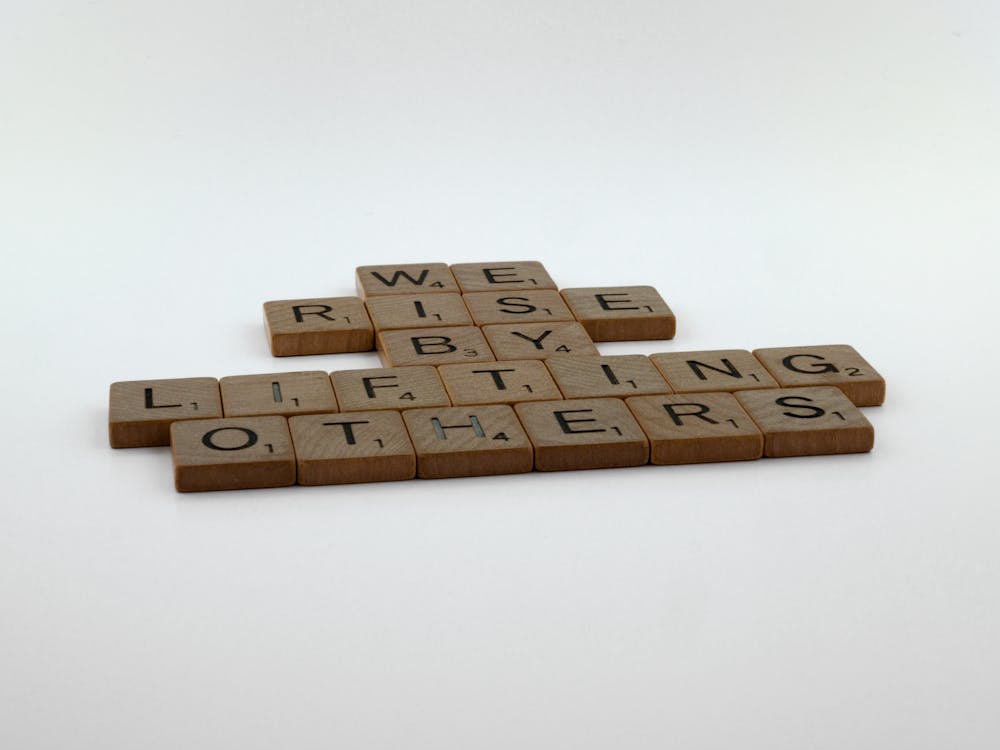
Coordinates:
<point>597,433</point>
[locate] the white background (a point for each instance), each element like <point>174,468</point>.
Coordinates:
<point>784,172</point>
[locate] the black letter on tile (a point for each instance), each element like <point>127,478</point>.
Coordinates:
<point>420,347</point>
<point>678,417</point>
<point>297,311</point>
<point>348,429</point>
<point>209,443</point>
<point>565,423</point>
<point>819,368</point>
<point>815,410</point>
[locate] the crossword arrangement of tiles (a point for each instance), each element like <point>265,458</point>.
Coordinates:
<point>491,369</point>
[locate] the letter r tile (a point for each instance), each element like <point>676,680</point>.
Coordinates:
<point>323,325</point>
<point>688,428</point>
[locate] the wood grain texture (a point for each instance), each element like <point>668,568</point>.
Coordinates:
<point>352,447</point>
<point>277,393</point>
<point>405,278</point>
<point>538,306</point>
<point>617,376</point>
<point>808,421</point>
<point>713,371</point>
<point>538,340</point>
<point>838,365</point>
<point>499,382</point>
<point>433,346</point>
<point>621,313</point>
<point>232,454</point>
<point>389,388</point>
<point>320,325</point>
<point>598,433</point>
<point>394,311</point>
<point>696,428</point>
<point>140,412</point>
<point>468,441</point>
<point>517,275</point>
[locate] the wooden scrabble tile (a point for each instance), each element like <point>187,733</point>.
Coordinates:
<point>232,454</point>
<point>538,340</point>
<point>499,382</point>
<point>689,428</point>
<point>622,313</point>
<point>598,433</point>
<point>720,370</point>
<point>417,311</point>
<point>140,412</point>
<point>433,346</point>
<point>322,325</point>
<point>405,278</point>
<point>468,441</point>
<point>838,365</point>
<point>604,377</point>
<point>519,275</point>
<point>540,306</point>
<point>284,393</point>
<point>808,421</point>
<point>389,388</point>
<point>351,447</point>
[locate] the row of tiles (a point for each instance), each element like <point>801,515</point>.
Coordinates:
<point>464,441</point>
<point>336,325</point>
<point>140,412</point>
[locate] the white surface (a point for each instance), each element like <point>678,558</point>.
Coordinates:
<point>786,173</point>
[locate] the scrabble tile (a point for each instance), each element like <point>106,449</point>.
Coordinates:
<point>838,365</point>
<point>518,275</point>
<point>232,454</point>
<point>689,428</point>
<point>499,382</point>
<point>468,441</point>
<point>394,311</point>
<point>621,313</point>
<point>389,388</point>
<point>284,393</point>
<point>808,421</point>
<point>538,340</point>
<point>405,278</point>
<point>351,447</point>
<point>140,412</point>
<point>323,325</point>
<point>616,376</point>
<point>720,370</point>
<point>540,306</point>
<point>433,346</point>
<point>598,433</point>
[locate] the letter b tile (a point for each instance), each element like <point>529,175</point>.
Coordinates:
<point>433,346</point>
